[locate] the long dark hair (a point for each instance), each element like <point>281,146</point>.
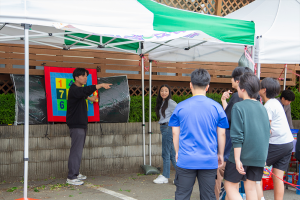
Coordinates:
<point>159,102</point>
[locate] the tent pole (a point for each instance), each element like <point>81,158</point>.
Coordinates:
<point>26,121</point>
<point>284,81</point>
<point>258,70</point>
<point>143,107</point>
<point>150,90</point>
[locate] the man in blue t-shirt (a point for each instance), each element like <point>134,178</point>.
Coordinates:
<point>198,126</point>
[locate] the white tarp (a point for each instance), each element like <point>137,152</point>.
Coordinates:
<point>277,23</point>
<point>277,26</point>
<point>162,29</point>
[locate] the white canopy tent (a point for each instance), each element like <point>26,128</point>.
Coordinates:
<point>136,26</point>
<point>277,31</point>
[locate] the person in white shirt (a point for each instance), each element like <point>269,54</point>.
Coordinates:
<point>281,139</point>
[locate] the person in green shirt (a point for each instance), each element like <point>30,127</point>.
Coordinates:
<point>249,133</point>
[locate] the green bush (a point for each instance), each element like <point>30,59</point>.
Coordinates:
<point>135,114</point>
<point>295,106</point>
<point>7,108</point>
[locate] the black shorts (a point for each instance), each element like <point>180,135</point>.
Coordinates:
<point>252,173</point>
<point>279,155</point>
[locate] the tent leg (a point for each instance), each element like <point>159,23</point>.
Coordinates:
<point>284,81</point>
<point>258,70</point>
<point>143,107</point>
<point>150,131</point>
<point>26,121</point>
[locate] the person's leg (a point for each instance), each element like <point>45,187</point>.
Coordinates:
<point>280,166</point>
<point>232,178</point>
<point>278,184</point>
<point>218,183</point>
<point>250,190</point>
<point>259,190</point>
<point>232,191</point>
<point>77,142</point>
<point>166,150</point>
<point>207,180</point>
<point>253,174</point>
<point>184,181</point>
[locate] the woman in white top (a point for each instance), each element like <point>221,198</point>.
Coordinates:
<point>281,139</point>
<point>164,109</point>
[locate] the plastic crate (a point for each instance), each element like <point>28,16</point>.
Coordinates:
<point>267,183</point>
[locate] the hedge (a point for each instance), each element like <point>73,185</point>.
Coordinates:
<point>136,106</point>
<point>7,108</point>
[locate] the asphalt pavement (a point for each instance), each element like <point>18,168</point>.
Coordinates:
<point>107,187</point>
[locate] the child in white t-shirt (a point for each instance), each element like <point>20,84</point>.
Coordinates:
<point>281,139</point>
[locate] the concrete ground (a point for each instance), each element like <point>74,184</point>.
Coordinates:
<point>111,187</point>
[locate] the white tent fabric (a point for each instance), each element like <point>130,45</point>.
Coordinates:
<point>81,14</point>
<point>135,20</point>
<point>277,26</point>
<point>277,30</point>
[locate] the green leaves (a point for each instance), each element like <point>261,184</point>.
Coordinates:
<point>135,114</point>
<point>7,108</point>
<point>295,106</point>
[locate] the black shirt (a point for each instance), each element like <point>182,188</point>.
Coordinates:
<point>234,99</point>
<point>76,107</point>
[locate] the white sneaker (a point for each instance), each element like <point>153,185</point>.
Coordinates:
<point>81,177</point>
<point>74,182</point>
<point>160,179</point>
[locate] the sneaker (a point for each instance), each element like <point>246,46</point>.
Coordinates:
<point>81,177</point>
<point>161,179</point>
<point>74,182</point>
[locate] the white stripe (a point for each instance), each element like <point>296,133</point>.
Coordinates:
<point>110,192</point>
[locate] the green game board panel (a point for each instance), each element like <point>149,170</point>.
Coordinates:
<point>69,82</point>
<point>62,105</point>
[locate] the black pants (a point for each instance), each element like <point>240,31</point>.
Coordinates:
<point>78,139</point>
<point>185,180</point>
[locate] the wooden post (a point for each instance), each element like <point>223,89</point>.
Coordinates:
<point>218,7</point>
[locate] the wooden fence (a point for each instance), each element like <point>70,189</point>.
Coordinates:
<point>116,63</point>
<point>213,7</point>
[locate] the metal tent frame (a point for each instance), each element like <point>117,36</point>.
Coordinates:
<point>27,37</point>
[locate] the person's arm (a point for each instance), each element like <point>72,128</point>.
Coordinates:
<point>237,137</point>
<point>238,163</point>
<point>225,96</point>
<point>289,117</point>
<point>103,85</point>
<point>221,145</point>
<point>80,92</point>
<point>176,132</point>
<point>92,98</point>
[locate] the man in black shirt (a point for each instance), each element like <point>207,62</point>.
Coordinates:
<point>77,120</point>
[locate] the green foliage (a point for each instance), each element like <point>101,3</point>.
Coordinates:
<point>295,106</point>
<point>136,114</point>
<point>7,108</point>
<point>136,106</point>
